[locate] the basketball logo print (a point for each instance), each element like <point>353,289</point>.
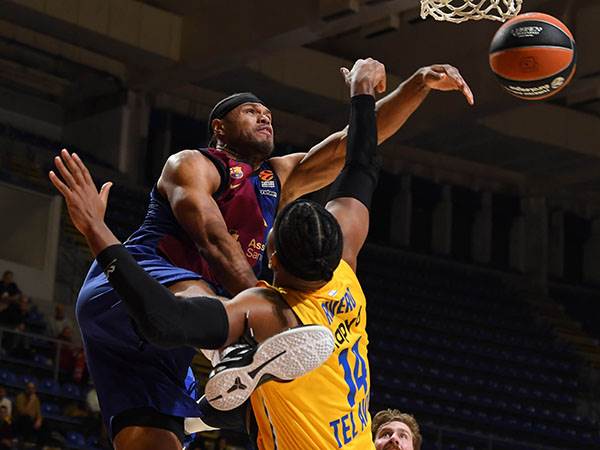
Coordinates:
<point>528,64</point>
<point>266,175</point>
<point>557,82</point>
<point>236,172</point>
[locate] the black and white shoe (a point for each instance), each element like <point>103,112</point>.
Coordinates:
<point>283,357</point>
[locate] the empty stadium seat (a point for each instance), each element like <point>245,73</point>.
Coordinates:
<point>8,378</point>
<point>75,440</point>
<point>71,390</point>
<point>50,409</point>
<point>460,348</point>
<point>28,378</point>
<point>49,386</point>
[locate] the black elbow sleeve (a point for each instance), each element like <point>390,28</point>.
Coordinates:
<point>360,175</point>
<point>162,318</point>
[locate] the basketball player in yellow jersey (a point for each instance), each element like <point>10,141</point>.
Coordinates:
<point>328,407</point>
<point>312,251</point>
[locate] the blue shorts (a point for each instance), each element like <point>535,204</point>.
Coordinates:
<point>127,371</point>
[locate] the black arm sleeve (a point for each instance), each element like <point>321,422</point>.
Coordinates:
<point>359,177</point>
<point>163,319</point>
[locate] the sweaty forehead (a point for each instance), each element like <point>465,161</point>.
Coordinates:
<point>395,426</point>
<point>258,106</point>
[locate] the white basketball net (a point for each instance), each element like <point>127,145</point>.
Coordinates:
<point>458,11</point>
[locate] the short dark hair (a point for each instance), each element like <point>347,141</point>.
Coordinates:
<point>308,240</point>
<point>394,415</point>
<point>224,106</point>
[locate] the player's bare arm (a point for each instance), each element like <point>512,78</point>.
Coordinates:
<point>267,312</point>
<point>301,173</point>
<point>151,304</point>
<point>189,180</point>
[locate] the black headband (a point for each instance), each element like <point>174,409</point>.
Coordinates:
<point>229,103</point>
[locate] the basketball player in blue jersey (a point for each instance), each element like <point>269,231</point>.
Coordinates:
<point>205,233</point>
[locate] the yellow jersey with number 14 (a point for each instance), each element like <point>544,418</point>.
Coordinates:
<point>327,408</point>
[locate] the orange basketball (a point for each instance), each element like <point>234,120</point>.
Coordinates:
<point>533,56</point>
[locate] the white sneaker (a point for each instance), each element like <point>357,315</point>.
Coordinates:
<point>283,357</point>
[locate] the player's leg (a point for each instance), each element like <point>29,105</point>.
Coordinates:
<point>148,377</point>
<point>145,429</point>
<point>144,438</point>
<point>148,429</point>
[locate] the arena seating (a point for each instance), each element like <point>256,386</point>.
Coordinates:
<point>126,210</point>
<point>459,349</point>
<point>34,141</point>
<point>55,395</point>
<point>581,304</point>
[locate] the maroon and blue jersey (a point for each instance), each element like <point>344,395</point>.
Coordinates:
<point>150,376</point>
<point>248,200</point>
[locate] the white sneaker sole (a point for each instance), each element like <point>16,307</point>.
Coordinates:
<point>285,356</point>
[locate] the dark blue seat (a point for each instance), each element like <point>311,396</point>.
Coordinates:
<point>42,360</point>
<point>71,390</point>
<point>93,442</point>
<point>28,378</point>
<point>8,378</point>
<point>50,409</point>
<point>75,439</point>
<point>49,386</point>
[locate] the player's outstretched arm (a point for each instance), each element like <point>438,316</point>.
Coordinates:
<point>200,322</point>
<point>353,189</point>
<point>85,204</point>
<point>162,318</point>
<point>307,172</point>
<point>189,180</point>
<point>394,109</point>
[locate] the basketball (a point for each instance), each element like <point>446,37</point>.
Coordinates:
<point>533,55</point>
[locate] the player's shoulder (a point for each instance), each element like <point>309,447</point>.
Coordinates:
<point>291,159</point>
<point>188,156</point>
<point>262,292</point>
<point>190,160</point>
<point>186,166</point>
<point>283,165</point>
